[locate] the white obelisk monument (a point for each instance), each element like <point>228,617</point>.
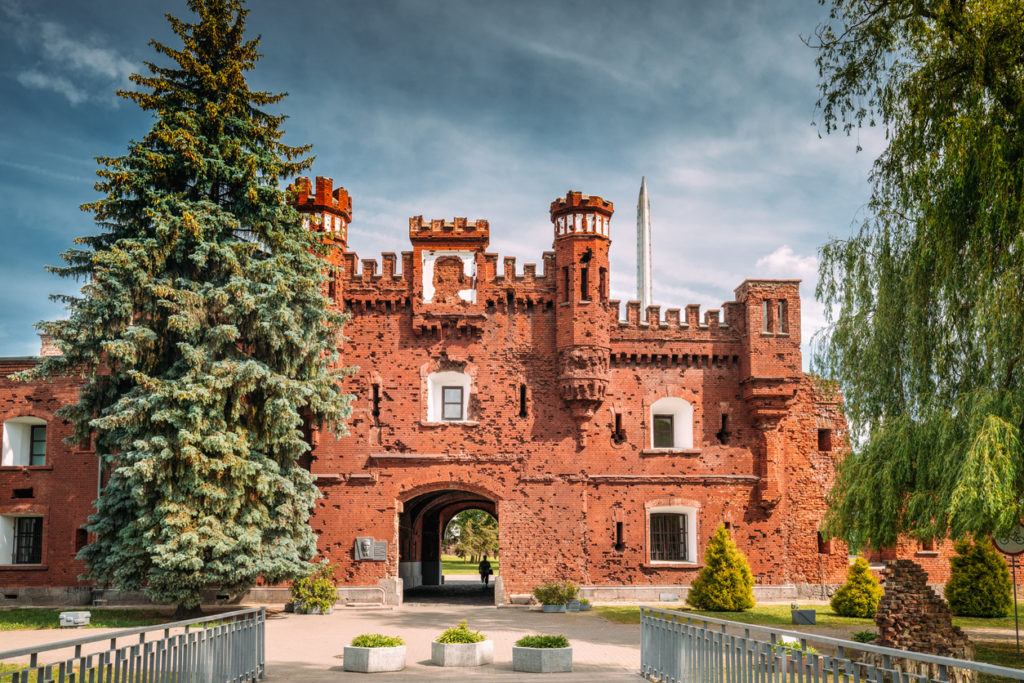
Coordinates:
<point>643,250</point>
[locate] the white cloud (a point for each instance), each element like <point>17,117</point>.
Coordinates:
<point>784,263</point>
<point>40,81</point>
<point>89,59</point>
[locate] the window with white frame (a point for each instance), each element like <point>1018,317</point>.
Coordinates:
<point>24,442</point>
<point>673,534</point>
<point>448,397</point>
<point>671,423</point>
<point>21,539</point>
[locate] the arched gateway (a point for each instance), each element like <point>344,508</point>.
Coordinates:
<point>422,519</point>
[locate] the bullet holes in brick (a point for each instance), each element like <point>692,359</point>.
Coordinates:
<point>618,433</point>
<point>619,545</point>
<point>824,439</point>
<point>724,433</point>
<point>522,400</point>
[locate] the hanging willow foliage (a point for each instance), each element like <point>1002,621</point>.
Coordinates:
<point>202,333</point>
<point>926,297</point>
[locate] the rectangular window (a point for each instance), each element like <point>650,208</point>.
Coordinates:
<point>28,540</point>
<point>584,284</point>
<point>566,288</point>
<point>928,545</point>
<point>81,539</point>
<point>765,312</point>
<point>663,432</point>
<point>618,436</point>
<point>522,400</point>
<point>37,452</point>
<point>603,283</point>
<point>824,546</point>
<point>824,439</point>
<point>451,406</point>
<point>668,538</point>
<point>783,327</point>
<point>375,411</point>
<point>619,545</point>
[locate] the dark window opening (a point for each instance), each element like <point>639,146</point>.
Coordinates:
<point>824,439</point>
<point>330,289</point>
<point>668,538</point>
<point>603,283</point>
<point>28,540</point>
<point>619,545</point>
<point>723,434</point>
<point>376,402</point>
<point>522,400</point>
<point>510,300</point>
<point>727,525</point>
<point>566,289</point>
<point>618,436</point>
<point>663,431</point>
<point>928,545</point>
<point>529,305</point>
<point>37,452</point>
<point>824,546</point>
<point>23,493</point>
<point>81,539</point>
<point>548,306</point>
<point>451,403</point>
<point>585,284</point>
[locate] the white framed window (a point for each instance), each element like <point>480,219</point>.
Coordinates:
<point>21,539</point>
<point>24,442</point>
<point>671,423</point>
<point>448,397</point>
<point>672,534</point>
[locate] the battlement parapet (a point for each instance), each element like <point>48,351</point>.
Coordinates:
<point>580,214</point>
<point>457,230</point>
<point>724,324</point>
<point>573,202</point>
<point>306,198</point>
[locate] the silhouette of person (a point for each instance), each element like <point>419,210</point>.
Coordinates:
<point>485,571</point>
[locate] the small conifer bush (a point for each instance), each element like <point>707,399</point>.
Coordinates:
<point>460,634</point>
<point>859,596</point>
<point>979,583</point>
<point>376,640</point>
<point>317,590</point>
<point>725,584</point>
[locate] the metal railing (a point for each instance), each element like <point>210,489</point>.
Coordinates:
<point>224,647</point>
<point>676,647</point>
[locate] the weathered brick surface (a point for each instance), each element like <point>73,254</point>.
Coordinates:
<point>563,471</point>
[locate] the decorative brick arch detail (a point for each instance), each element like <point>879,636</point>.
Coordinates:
<point>447,485</point>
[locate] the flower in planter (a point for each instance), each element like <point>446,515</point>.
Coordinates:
<point>460,634</point>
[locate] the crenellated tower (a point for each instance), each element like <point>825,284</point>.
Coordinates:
<point>583,325</point>
<point>328,211</point>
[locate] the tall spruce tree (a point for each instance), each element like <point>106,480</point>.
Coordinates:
<point>201,333</point>
<point>926,298</point>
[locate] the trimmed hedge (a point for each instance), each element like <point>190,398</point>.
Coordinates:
<point>725,584</point>
<point>979,582</point>
<point>859,596</point>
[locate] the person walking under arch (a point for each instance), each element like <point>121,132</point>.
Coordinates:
<point>485,571</point>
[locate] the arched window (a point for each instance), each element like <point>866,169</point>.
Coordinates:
<point>671,423</point>
<point>448,397</point>
<point>24,442</point>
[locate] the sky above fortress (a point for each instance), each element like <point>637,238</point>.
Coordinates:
<point>469,108</point>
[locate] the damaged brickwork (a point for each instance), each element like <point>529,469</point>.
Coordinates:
<point>532,395</point>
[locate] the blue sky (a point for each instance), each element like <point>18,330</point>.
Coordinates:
<point>478,109</point>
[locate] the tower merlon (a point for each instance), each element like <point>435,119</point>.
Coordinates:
<point>580,214</point>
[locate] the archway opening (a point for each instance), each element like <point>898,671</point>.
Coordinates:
<point>423,531</point>
<point>470,544</point>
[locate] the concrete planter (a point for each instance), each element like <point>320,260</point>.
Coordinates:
<point>552,608</point>
<point>584,606</point>
<point>299,609</point>
<point>462,654</point>
<point>542,660</point>
<point>573,606</point>
<point>369,660</point>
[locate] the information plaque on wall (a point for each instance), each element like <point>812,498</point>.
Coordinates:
<point>369,550</point>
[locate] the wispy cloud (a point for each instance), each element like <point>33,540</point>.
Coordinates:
<point>81,70</point>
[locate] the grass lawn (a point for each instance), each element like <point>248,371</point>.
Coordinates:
<point>764,615</point>
<point>25,619</point>
<point>451,564</point>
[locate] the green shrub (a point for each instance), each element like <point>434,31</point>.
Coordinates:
<point>793,646</point>
<point>584,601</point>
<point>979,583</point>
<point>317,590</point>
<point>864,636</point>
<point>546,642</point>
<point>556,593</point>
<point>859,596</point>
<point>376,640</point>
<point>725,584</point>
<point>460,634</point>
